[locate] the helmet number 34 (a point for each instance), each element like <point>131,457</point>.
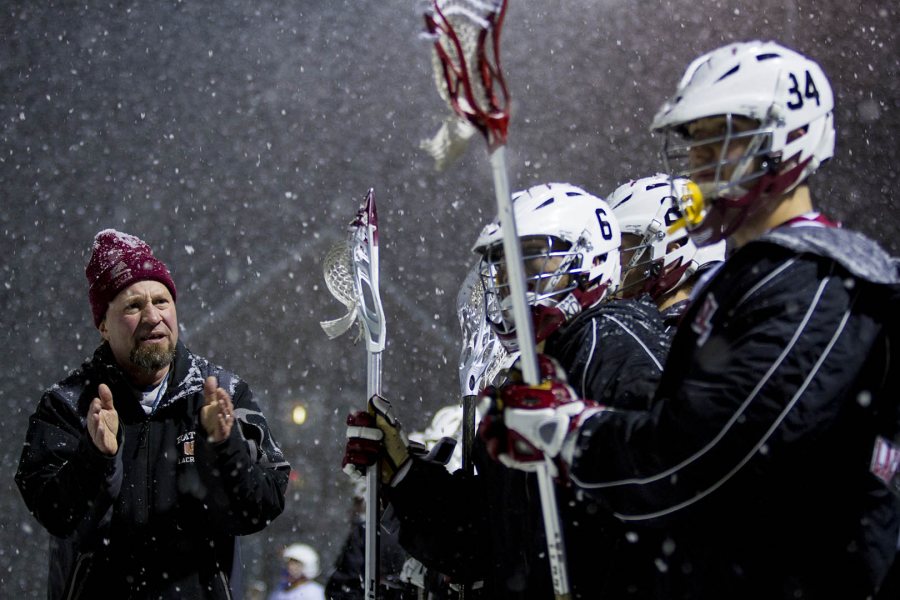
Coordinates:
<point>809,91</point>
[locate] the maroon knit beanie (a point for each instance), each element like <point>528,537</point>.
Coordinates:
<point>118,260</point>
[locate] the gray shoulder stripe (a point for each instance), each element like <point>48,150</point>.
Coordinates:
<point>637,339</point>
<point>766,280</point>
<point>590,356</point>
<point>728,424</point>
<point>759,444</point>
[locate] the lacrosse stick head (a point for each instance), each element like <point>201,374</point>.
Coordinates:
<point>481,354</point>
<point>351,275</point>
<point>364,258</point>
<point>466,61</point>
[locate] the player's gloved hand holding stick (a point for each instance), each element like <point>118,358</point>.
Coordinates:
<point>528,427</point>
<point>375,437</point>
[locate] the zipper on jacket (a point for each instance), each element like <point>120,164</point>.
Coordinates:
<point>142,436</point>
<point>142,446</point>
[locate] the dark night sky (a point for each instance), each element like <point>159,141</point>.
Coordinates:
<point>237,138</point>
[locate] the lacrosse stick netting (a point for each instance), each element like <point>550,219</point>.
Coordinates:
<point>466,63</point>
<point>465,35</point>
<point>339,281</point>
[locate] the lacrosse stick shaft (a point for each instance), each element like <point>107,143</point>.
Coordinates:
<point>468,440</point>
<point>553,533</point>
<point>515,271</point>
<point>373,517</point>
<point>468,433</point>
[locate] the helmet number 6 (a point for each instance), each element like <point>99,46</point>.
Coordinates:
<point>605,227</point>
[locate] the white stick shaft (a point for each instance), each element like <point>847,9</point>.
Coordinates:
<point>373,518</point>
<point>515,271</point>
<point>556,552</point>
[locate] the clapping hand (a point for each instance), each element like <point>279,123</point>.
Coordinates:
<point>103,421</point>
<point>217,414</point>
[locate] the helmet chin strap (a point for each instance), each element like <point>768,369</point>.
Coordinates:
<point>547,319</point>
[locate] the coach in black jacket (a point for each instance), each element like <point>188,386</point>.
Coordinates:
<point>145,463</point>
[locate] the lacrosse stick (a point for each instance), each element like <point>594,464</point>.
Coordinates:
<point>480,357</point>
<point>466,61</point>
<point>351,275</point>
<point>460,31</point>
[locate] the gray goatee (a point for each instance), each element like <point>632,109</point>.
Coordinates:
<point>152,358</point>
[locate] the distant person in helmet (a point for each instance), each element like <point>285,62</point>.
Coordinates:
<point>301,566</point>
<point>766,452</point>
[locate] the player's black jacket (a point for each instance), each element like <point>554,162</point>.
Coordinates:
<point>158,519</point>
<point>489,527</point>
<point>757,449</point>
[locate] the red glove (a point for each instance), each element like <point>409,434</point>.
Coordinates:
<point>372,437</point>
<point>364,444</point>
<point>527,426</point>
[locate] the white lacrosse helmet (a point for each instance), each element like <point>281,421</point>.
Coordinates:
<point>777,101</point>
<point>446,422</point>
<point>570,242</point>
<point>664,257</point>
<point>304,555</point>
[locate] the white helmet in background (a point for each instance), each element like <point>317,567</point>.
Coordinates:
<point>663,257</point>
<point>778,99</point>
<point>306,556</point>
<point>446,423</point>
<point>570,242</point>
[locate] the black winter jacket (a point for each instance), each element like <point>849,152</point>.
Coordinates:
<point>489,527</point>
<point>158,519</point>
<point>756,451</point>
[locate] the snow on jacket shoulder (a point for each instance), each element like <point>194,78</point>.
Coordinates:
<point>614,352</point>
<point>158,519</point>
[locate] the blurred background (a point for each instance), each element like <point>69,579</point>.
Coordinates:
<point>238,138</point>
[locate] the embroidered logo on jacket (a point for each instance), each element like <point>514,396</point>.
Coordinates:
<point>885,461</point>
<point>702,324</point>
<point>185,443</point>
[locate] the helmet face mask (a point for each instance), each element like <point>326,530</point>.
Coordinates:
<point>551,272</point>
<point>755,120</point>
<point>724,155</point>
<point>727,157</point>
<point>657,254</point>
<point>570,243</point>
<point>640,264</point>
